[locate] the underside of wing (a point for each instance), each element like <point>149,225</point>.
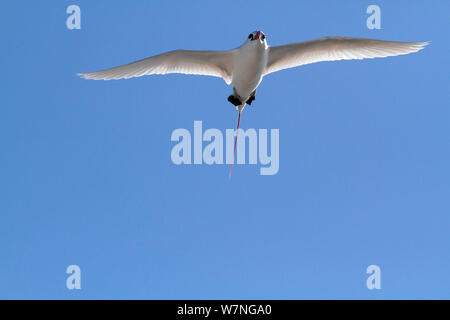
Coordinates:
<point>335,48</point>
<point>208,63</point>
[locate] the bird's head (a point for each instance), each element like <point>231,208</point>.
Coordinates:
<point>257,37</point>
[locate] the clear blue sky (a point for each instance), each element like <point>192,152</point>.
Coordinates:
<point>87,179</point>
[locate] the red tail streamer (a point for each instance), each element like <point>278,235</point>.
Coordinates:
<point>235,141</point>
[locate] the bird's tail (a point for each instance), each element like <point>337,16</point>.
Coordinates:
<point>239,108</point>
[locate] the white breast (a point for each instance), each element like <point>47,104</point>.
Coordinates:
<point>250,63</point>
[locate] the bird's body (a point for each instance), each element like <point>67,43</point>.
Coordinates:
<point>250,61</point>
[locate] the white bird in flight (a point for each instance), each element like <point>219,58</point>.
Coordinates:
<point>245,66</point>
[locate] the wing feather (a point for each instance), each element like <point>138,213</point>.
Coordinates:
<point>208,63</point>
<point>333,49</point>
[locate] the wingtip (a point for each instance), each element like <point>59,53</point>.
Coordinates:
<point>418,46</point>
<point>423,44</point>
<point>87,76</point>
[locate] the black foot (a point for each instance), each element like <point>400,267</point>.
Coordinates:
<point>250,100</point>
<point>235,101</point>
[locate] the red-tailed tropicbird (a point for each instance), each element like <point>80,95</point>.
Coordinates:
<point>245,66</point>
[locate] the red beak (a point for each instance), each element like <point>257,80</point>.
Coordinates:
<point>258,35</point>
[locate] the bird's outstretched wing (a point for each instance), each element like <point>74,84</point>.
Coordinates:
<point>335,48</point>
<point>208,63</point>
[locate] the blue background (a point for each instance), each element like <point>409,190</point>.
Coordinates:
<point>87,179</point>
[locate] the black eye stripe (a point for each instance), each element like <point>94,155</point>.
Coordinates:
<point>250,36</point>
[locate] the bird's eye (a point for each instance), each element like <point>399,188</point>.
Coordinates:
<point>250,36</point>
<point>263,37</point>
